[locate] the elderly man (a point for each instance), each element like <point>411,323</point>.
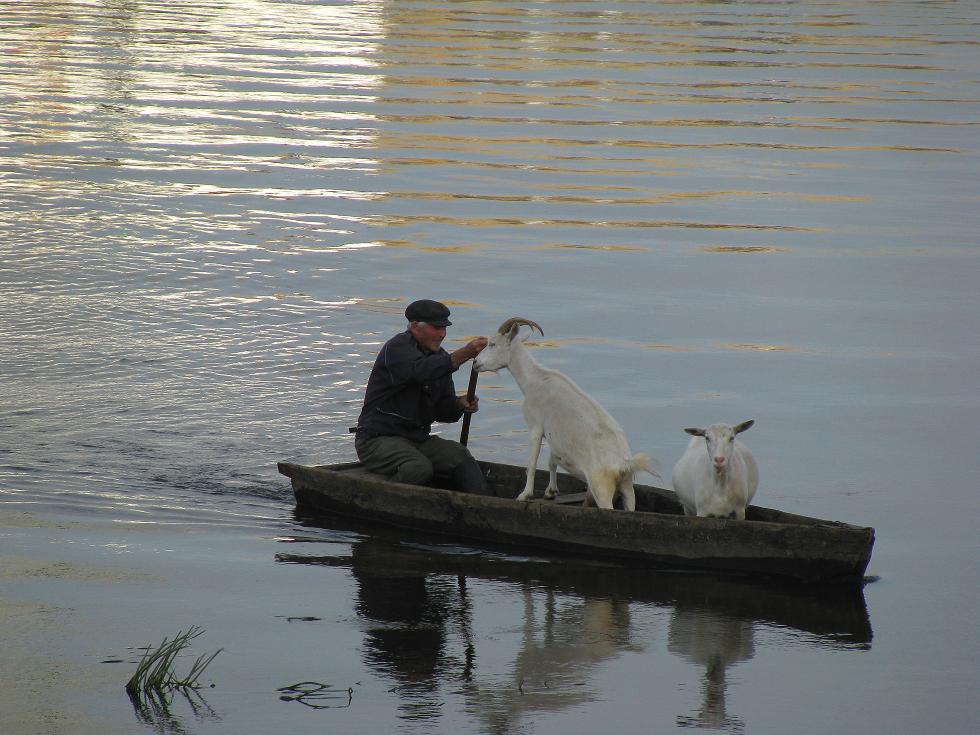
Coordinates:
<point>411,386</point>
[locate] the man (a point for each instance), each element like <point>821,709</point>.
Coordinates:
<point>411,386</point>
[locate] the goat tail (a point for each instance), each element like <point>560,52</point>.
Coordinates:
<point>642,463</point>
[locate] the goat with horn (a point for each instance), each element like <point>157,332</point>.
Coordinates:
<point>582,437</point>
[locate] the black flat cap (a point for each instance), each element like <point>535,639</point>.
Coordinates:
<point>430,312</point>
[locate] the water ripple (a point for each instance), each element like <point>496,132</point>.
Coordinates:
<point>213,214</point>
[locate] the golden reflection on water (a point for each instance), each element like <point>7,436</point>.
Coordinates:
<point>763,348</point>
<point>631,344</point>
<point>583,246</point>
<point>423,248</point>
<point>610,341</point>
<point>478,222</point>
<point>741,249</point>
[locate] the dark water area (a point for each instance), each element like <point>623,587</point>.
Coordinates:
<point>212,214</point>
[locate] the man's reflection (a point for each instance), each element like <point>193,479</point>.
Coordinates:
<point>405,614</point>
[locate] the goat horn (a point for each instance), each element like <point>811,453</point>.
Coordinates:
<point>509,324</point>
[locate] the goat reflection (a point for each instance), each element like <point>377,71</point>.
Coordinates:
<point>714,642</point>
<point>559,649</point>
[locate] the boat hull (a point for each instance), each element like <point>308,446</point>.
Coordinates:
<point>768,542</point>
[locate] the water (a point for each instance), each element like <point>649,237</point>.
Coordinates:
<point>213,213</point>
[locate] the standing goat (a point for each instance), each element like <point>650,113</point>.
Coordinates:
<point>582,437</point>
<point>717,476</point>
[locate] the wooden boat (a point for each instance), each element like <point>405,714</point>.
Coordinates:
<point>769,542</point>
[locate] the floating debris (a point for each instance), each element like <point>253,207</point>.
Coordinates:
<point>316,695</point>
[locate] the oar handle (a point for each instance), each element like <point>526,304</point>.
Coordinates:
<point>464,433</point>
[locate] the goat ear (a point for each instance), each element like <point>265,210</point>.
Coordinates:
<point>743,426</point>
<point>695,432</point>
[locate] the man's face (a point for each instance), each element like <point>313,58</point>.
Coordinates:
<point>428,336</point>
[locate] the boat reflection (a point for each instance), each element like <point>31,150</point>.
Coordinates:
<point>422,630</point>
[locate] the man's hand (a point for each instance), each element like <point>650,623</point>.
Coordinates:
<point>469,406</point>
<point>468,351</point>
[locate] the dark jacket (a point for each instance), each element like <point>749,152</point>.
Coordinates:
<point>408,389</point>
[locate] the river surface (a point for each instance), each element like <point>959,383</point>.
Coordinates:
<point>212,214</point>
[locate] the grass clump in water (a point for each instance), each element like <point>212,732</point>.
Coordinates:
<point>155,672</point>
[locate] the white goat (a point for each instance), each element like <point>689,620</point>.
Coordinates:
<point>582,437</point>
<point>717,476</point>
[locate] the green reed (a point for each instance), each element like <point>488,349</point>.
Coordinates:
<point>155,671</point>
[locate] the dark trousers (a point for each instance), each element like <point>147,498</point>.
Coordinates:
<point>417,463</point>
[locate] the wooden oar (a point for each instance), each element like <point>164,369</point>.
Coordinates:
<point>464,434</point>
